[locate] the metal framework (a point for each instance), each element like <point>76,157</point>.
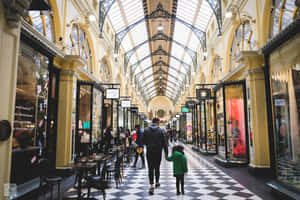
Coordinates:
<point>156,37</point>
<point>160,13</point>
<point>158,72</point>
<point>157,79</point>
<point>159,63</point>
<point>105,6</point>
<point>160,52</point>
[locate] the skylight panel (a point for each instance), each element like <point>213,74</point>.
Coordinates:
<point>177,50</point>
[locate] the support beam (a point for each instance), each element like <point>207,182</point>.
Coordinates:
<point>104,8</point>
<point>156,37</point>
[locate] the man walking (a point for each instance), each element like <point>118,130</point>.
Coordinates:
<point>155,141</point>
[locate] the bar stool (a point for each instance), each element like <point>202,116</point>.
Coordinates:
<point>52,181</point>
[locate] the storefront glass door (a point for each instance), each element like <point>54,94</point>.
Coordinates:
<point>235,121</point>
<point>220,122</point>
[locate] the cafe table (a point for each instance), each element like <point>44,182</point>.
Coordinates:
<point>99,158</point>
<point>82,167</point>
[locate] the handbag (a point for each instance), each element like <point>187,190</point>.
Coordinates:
<point>140,150</point>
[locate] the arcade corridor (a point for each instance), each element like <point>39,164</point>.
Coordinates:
<point>86,85</point>
<point>204,181</point>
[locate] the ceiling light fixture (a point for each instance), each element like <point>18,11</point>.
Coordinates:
<point>92,18</point>
<point>160,27</point>
<point>205,53</point>
<point>228,14</point>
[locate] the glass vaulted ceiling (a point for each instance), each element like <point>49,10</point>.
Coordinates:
<point>197,13</point>
<point>126,12</point>
<point>122,14</point>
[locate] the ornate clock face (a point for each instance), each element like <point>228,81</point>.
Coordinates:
<point>160,113</point>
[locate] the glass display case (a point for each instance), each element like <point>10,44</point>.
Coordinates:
<point>233,147</point>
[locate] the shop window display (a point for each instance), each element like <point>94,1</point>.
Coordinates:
<point>89,117</point>
<point>232,130</point>
<point>235,117</point>
<point>286,105</point>
<point>284,12</point>
<point>202,126</point>
<point>30,125</point>
<point>84,123</point>
<point>210,124</point>
<point>220,123</point>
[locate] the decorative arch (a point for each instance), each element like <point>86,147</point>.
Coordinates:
<point>43,22</point>
<point>56,19</point>
<point>283,14</point>
<point>79,44</point>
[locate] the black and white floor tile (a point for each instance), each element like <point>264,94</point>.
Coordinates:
<point>203,181</point>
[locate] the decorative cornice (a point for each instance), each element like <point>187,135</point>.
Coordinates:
<point>15,10</point>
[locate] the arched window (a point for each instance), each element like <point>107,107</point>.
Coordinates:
<point>243,41</point>
<point>283,13</point>
<point>78,45</point>
<point>216,69</point>
<point>42,21</point>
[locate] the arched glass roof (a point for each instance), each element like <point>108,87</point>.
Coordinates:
<point>151,79</point>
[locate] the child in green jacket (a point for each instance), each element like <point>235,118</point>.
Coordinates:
<point>179,166</point>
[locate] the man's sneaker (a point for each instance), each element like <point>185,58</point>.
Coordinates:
<point>178,193</point>
<point>157,184</point>
<point>151,191</point>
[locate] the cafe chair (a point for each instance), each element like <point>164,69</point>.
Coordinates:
<point>115,171</point>
<point>98,182</point>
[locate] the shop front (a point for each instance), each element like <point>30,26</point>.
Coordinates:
<point>282,83</point>
<point>232,131</point>
<point>206,140</point>
<point>35,120</point>
<point>88,117</point>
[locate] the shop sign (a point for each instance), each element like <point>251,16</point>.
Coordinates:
<point>134,109</point>
<point>190,104</point>
<point>126,104</point>
<point>177,116</point>
<point>202,93</point>
<point>279,102</point>
<point>185,110</point>
<point>112,93</point>
<point>189,127</point>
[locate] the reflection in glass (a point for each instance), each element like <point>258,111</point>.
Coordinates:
<point>286,106</point>
<point>220,123</point>
<point>30,124</point>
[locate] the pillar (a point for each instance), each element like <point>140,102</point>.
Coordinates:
<point>257,111</point>
<point>66,109</point>
<point>9,48</point>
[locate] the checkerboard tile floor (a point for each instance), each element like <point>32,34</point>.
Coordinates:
<point>203,181</point>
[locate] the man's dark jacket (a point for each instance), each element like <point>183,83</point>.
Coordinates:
<point>154,139</point>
